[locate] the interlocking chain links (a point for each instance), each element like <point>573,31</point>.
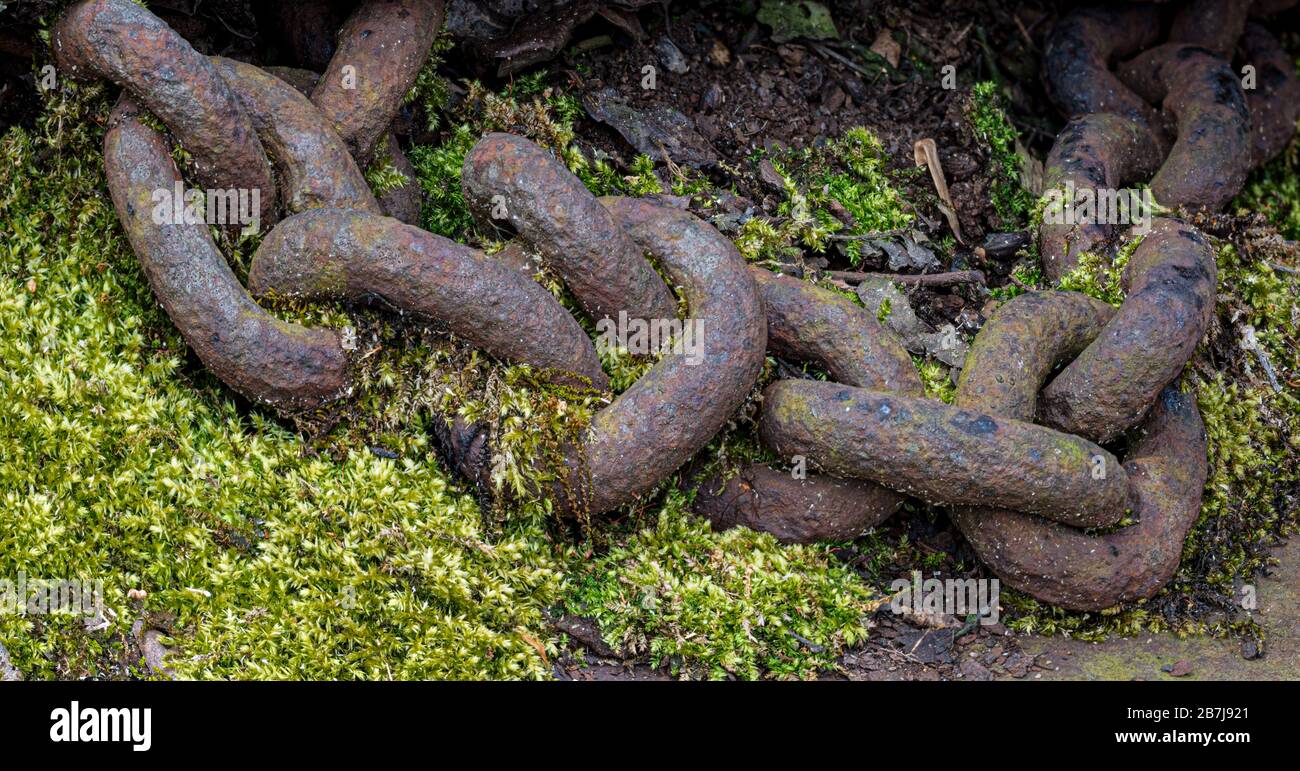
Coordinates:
<point>808,324</point>
<point>268,360</point>
<point>254,353</point>
<point>1170,294</point>
<point>119,41</point>
<point>402,203</point>
<point>675,408</point>
<point>1207,164</point>
<point>1021,490</point>
<point>353,255</point>
<point>314,165</point>
<point>1115,137</point>
<point>509,181</point>
<point>381,49</point>
<point>1166,466</point>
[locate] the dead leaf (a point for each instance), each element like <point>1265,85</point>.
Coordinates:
<point>887,47</point>
<point>927,154</point>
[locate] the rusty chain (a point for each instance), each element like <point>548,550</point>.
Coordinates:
<point>1018,458</point>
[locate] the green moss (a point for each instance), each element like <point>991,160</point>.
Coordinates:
<point>438,169</point>
<point>263,556</point>
<point>722,604</point>
<point>994,130</point>
<point>936,379</point>
<point>849,175</point>
<point>382,175</point>
<point>1098,276</point>
<point>1274,191</point>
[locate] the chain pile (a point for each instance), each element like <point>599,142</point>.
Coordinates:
<point>1018,458</point>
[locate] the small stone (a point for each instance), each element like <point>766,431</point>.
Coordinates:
<point>671,56</point>
<point>971,670</point>
<point>1002,246</point>
<point>1250,649</point>
<point>1180,668</point>
<point>713,97</point>
<point>887,47</point>
<point>1017,665</point>
<point>8,672</point>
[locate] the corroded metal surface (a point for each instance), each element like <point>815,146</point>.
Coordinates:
<point>1208,162</point>
<point>1082,48</point>
<point>1097,152</point>
<point>1275,100</point>
<point>258,355</point>
<point>534,193</point>
<point>402,203</point>
<point>381,49</point>
<point>314,165</point>
<point>348,254</point>
<point>120,41</point>
<point>817,508</point>
<point>1215,25</point>
<point>1170,283</point>
<point>674,409</point>
<point>944,454</point>
<point>1071,568</point>
<point>817,326</point>
<point>1166,469</point>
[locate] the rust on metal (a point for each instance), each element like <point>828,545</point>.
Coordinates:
<point>352,255</point>
<point>120,41</point>
<point>315,167</point>
<point>262,357</point>
<point>381,49</point>
<point>675,408</point>
<point>1170,283</point>
<point>808,324</point>
<point>1275,99</point>
<point>1200,92</point>
<point>543,201</point>
<point>1082,48</point>
<point>1096,152</point>
<point>944,454</point>
<point>815,508</point>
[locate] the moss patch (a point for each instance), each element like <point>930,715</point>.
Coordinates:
<point>722,605</point>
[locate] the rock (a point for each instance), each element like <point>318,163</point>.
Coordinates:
<point>1251,649</point>
<point>713,98</point>
<point>913,256</point>
<point>769,175</point>
<point>155,653</point>
<point>972,670</point>
<point>1017,665</point>
<point>661,132</point>
<point>900,319</point>
<point>671,56</point>
<point>8,672</point>
<point>946,346</point>
<point>929,646</point>
<point>887,47</point>
<point>1180,668</point>
<point>1004,246</point>
<point>586,632</point>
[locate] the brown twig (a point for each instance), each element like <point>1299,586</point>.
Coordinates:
<point>924,279</point>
